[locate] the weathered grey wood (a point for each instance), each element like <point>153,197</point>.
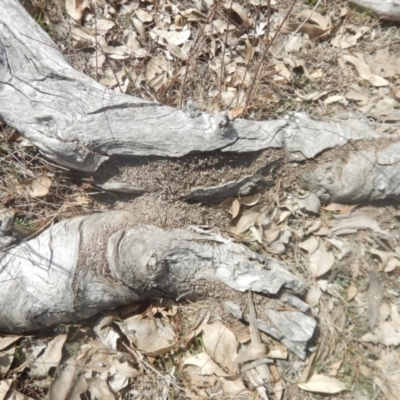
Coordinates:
<point>216,194</point>
<point>78,123</point>
<point>367,175</point>
<point>87,264</point>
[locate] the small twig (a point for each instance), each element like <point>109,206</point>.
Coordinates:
<point>265,52</point>
<point>192,50</point>
<point>221,77</point>
<point>140,358</point>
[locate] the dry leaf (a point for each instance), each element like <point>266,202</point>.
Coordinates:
<point>192,15</point>
<point>390,260</point>
<point>310,96</point>
<point>101,26</point>
<point>271,233</point>
<point>156,66</point>
<point>248,219</point>
<point>281,69</point>
<point>310,245</point>
<point>334,99</point>
<point>312,226</point>
<point>278,351</point>
<point>151,337</point>
<point>251,352</point>
<point>342,209</point>
<point>343,225</point>
<point>221,345</point>
<point>383,64</point>
<point>204,371</point>
<point>6,359</point>
<point>324,22</point>
<point>351,292</point>
<point>250,200</point>
<point>334,368</point>
<point>313,31</point>
<point>279,385</point>
<point>321,260</point>
<point>227,203</point>
<point>5,341</point>
<point>76,8</point>
<point>82,38</point>
<point>344,39</point>
<point>387,333</point>
<point>236,112</point>
<point>390,367</point>
<point>50,358</point>
<point>342,246</point>
<point>111,79</point>
<point>283,216</point>
<point>313,295</point>
<point>176,51</point>
<point>140,28</point>
<point>68,383</point>
<point>323,384</point>
<point>239,10</point>
<point>364,71</point>
<point>115,52</point>
<point>99,389</point>
<point>177,38</point>
<point>5,387</point>
<point>384,312</point>
<point>35,187</point>
<point>143,16</point>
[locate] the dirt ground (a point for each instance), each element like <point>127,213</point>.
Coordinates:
<point>302,78</point>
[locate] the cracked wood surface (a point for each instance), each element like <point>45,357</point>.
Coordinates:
<point>78,123</point>
<point>84,265</point>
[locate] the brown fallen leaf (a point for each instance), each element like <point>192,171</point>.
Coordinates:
<point>236,112</point>
<point>323,384</point>
<point>152,337</point>
<point>351,291</point>
<point>231,6</point>
<point>221,344</point>
<point>250,200</point>
<point>365,71</point>
<point>390,366</point>
<point>35,187</point>
<point>5,386</point>
<point>76,8</point>
<point>342,209</point>
<point>313,31</point>
<point>335,367</point>
<point>202,371</point>
<point>50,358</point>
<point>235,208</point>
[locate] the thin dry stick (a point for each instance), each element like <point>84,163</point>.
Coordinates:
<point>296,31</point>
<point>192,51</point>
<point>221,78</point>
<point>285,44</point>
<point>251,88</point>
<point>267,35</point>
<point>140,358</point>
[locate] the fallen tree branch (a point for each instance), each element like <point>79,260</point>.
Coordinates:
<point>81,266</point>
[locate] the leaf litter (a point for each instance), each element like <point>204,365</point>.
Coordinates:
<point>168,35</point>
